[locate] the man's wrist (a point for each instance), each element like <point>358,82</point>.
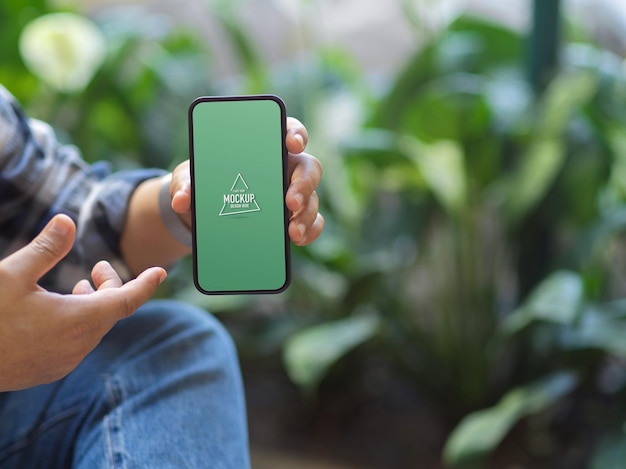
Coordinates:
<point>172,221</point>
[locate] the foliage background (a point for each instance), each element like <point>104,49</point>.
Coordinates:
<point>467,291</point>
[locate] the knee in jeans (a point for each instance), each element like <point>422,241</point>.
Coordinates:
<point>192,323</point>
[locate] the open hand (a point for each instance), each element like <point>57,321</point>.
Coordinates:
<point>44,335</point>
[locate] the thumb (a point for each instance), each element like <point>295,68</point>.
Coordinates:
<point>46,250</point>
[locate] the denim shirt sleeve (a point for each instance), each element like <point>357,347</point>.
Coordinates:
<point>39,177</point>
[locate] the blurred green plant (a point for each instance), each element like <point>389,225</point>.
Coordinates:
<point>482,228</point>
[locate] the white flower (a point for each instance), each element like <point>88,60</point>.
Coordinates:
<point>63,49</point>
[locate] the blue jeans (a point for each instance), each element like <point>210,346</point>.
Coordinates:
<point>163,389</point>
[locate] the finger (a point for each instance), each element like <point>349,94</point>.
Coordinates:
<point>46,250</point>
<point>105,276</point>
<point>180,188</point>
<point>181,178</point>
<point>297,136</point>
<point>83,288</point>
<point>304,225</point>
<point>301,235</point>
<point>125,300</point>
<point>305,175</point>
<point>94,314</point>
<point>181,202</point>
<point>315,230</point>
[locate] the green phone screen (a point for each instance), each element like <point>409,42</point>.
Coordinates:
<point>239,178</point>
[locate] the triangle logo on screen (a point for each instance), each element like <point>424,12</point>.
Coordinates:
<point>239,199</point>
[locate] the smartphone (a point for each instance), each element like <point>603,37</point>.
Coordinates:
<point>239,177</point>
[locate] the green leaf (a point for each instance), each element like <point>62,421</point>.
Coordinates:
<point>567,94</point>
<point>617,142</point>
<point>540,164</point>
<point>558,299</point>
<point>598,329</point>
<point>418,70</point>
<point>450,108</point>
<point>545,155</point>
<point>310,353</point>
<point>494,44</point>
<point>443,168</point>
<point>480,432</point>
<point>376,146</point>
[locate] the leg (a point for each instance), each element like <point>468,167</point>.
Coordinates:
<point>162,390</point>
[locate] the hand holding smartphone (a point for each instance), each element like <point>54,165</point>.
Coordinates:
<point>238,161</point>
